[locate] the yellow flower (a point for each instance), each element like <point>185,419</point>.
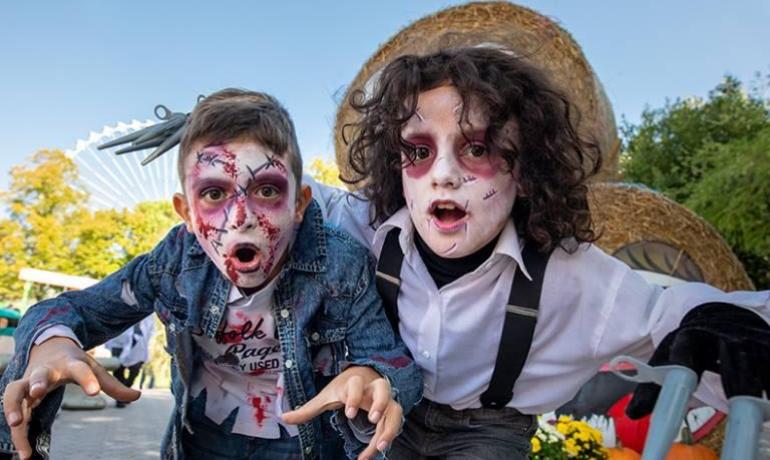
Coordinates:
<point>571,447</point>
<point>583,436</point>
<point>535,445</point>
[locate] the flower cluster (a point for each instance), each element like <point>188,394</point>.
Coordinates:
<point>566,438</point>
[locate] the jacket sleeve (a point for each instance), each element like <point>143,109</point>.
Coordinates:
<point>94,314</point>
<point>371,342</point>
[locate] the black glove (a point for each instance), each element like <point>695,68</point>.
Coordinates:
<point>731,341</point>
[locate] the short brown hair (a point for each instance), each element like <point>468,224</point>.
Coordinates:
<point>237,114</point>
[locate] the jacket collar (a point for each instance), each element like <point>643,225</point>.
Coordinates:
<point>308,252</point>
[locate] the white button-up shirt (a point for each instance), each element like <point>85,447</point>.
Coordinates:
<point>593,307</point>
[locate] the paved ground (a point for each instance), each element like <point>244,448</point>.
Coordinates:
<point>133,432</point>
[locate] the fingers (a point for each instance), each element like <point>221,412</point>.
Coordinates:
<point>14,396</point>
<point>17,414</point>
<point>390,426</point>
<point>353,395</point>
<point>387,429</point>
<point>82,374</point>
<point>41,381</point>
<point>380,399</point>
<point>20,434</point>
<point>112,386</point>
<point>321,403</point>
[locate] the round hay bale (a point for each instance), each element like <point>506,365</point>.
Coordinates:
<point>520,30</point>
<point>657,235</point>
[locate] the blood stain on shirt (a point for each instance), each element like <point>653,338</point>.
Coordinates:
<point>259,409</point>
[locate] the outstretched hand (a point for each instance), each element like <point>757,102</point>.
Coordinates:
<point>355,389</point>
<point>731,341</point>
<point>51,364</point>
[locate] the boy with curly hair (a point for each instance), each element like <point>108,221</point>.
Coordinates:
<point>474,199</point>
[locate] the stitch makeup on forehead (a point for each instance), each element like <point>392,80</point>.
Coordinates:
<point>242,203</point>
<point>459,190</point>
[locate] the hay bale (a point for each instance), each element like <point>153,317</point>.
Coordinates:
<point>521,30</point>
<point>627,215</point>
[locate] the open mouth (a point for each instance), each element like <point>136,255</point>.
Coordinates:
<point>448,215</point>
<point>245,258</point>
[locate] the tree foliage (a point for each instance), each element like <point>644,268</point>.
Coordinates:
<point>712,156</point>
<point>325,172</point>
<point>734,195</point>
<point>50,227</point>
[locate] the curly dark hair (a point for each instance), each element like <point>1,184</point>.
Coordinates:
<point>555,162</point>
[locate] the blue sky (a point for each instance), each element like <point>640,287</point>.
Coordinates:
<point>72,67</point>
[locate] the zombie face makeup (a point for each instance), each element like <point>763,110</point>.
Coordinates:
<point>459,193</point>
<point>241,202</point>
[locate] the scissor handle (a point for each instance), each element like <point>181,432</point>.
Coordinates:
<point>162,112</point>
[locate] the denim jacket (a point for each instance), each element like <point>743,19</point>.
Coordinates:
<point>325,301</point>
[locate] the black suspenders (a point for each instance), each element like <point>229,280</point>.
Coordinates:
<point>520,317</point>
<point>389,276</point>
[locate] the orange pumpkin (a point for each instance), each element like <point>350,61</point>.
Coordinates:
<point>686,450</point>
<point>622,453</point>
<point>681,451</point>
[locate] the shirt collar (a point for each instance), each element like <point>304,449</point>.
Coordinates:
<point>508,244</point>
<point>236,296</point>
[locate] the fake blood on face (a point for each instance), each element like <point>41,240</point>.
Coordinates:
<point>231,271</point>
<point>229,166</point>
<point>204,228</point>
<point>268,228</point>
<point>240,211</point>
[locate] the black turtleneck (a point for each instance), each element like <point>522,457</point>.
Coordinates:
<point>444,270</point>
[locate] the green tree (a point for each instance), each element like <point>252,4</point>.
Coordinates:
<point>711,155</point>
<point>145,225</point>
<point>662,151</point>
<point>12,259</point>
<point>46,204</point>
<point>734,195</point>
<point>50,226</point>
<point>98,251</point>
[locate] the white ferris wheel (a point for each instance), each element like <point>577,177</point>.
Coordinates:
<point>119,181</point>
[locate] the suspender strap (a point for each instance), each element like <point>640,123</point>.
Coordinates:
<point>518,329</point>
<point>389,276</point>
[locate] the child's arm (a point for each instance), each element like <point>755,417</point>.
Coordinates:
<point>381,378</point>
<point>349,211</point>
<point>638,317</point>
<point>357,387</point>
<point>92,316</point>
